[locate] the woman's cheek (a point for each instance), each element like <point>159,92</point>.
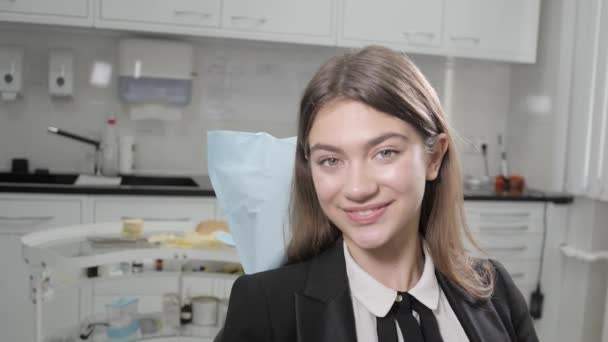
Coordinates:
<point>326,186</point>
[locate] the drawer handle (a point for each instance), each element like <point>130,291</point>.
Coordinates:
<point>507,249</point>
<point>504,228</point>
<point>260,21</point>
<point>430,35</point>
<point>26,218</point>
<point>158,219</point>
<point>517,275</point>
<point>505,215</point>
<point>203,15</point>
<point>474,40</point>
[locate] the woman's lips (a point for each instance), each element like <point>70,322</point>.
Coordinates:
<point>366,216</point>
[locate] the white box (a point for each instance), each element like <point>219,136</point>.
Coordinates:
<point>61,73</point>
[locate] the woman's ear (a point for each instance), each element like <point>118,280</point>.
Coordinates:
<point>436,158</point>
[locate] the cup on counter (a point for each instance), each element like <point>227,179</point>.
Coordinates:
<point>204,310</point>
<point>126,161</point>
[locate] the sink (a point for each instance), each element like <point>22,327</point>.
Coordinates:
<point>59,179</point>
<point>69,179</point>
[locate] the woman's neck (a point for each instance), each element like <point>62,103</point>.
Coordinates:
<point>397,265</point>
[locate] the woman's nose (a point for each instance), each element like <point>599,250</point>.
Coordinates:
<point>360,185</point>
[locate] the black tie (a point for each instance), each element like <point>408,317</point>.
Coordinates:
<point>426,331</point>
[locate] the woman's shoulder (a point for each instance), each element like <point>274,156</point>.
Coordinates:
<point>284,278</point>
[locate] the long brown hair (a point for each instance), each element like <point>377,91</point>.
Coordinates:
<point>389,82</point>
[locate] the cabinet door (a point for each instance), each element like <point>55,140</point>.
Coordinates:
<point>407,22</point>
<point>504,29</point>
<point>19,216</point>
<point>62,12</point>
<point>312,17</point>
<point>587,167</point>
<point>202,13</point>
<point>154,209</point>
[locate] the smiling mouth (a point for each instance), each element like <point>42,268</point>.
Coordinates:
<point>367,215</point>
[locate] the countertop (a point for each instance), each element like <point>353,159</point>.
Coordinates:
<point>204,189</point>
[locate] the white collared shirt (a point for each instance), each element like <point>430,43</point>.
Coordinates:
<point>371,299</point>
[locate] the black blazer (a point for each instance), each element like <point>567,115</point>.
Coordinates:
<point>311,302</point>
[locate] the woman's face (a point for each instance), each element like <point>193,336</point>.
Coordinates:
<point>369,171</point>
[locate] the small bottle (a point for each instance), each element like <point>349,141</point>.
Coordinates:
<point>109,148</point>
<point>186,310</point>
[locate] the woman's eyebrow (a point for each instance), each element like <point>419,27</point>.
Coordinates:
<point>371,143</point>
<point>382,138</point>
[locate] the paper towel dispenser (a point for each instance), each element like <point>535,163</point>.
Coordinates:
<point>155,71</point>
<point>11,72</point>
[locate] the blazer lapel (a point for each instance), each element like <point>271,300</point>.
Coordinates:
<point>324,310</point>
<point>478,318</point>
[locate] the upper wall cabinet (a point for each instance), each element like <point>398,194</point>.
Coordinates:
<point>495,29</point>
<point>159,15</point>
<point>58,12</point>
<point>504,30</point>
<point>404,22</point>
<point>300,20</point>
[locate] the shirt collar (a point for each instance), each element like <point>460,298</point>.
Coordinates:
<point>378,299</point>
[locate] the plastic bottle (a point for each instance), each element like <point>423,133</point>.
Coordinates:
<point>109,148</point>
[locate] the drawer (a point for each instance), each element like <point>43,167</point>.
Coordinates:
<point>154,209</point>
<point>508,218</point>
<point>196,13</point>
<point>509,247</point>
<point>66,8</point>
<point>23,216</point>
<point>523,273</point>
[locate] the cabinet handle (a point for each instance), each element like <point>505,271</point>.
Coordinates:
<point>505,229</point>
<point>26,218</point>
<point>259,21</point>
<point>508,216</point>
<point>474,40</point>
<point>158,219</point>
<point>507,249</point>
<point>203,15</point>
<point>517,275</point>
<point>430,35</point>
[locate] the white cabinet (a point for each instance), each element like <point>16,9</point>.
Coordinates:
<point>587,163</point>
<point>500,29</point>
<point>159,15</point>
<point>20,215</point>
<point>400,22</point>
<point>60,12</point>
<point>312,18</point>
<point>151,209</point>
<point>512,233</point>
<point>504,30</point>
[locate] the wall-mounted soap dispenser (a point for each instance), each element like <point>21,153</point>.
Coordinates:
<point>11,72</point>
<point>61,73</point>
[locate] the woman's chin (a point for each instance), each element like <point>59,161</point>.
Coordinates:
<point>368,241</point>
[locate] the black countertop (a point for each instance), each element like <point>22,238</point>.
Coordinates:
<point>529,195</point>
<point>204,189</point>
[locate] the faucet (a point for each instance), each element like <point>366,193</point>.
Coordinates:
<point>95,143</point>
<point>87,328</point>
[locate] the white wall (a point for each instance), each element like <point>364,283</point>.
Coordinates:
<point>259,91</point>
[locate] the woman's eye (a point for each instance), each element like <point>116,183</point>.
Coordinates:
<point>331,162</point>
<point>387,154</point>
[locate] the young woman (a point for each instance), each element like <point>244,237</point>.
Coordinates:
<point>377,216</point>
